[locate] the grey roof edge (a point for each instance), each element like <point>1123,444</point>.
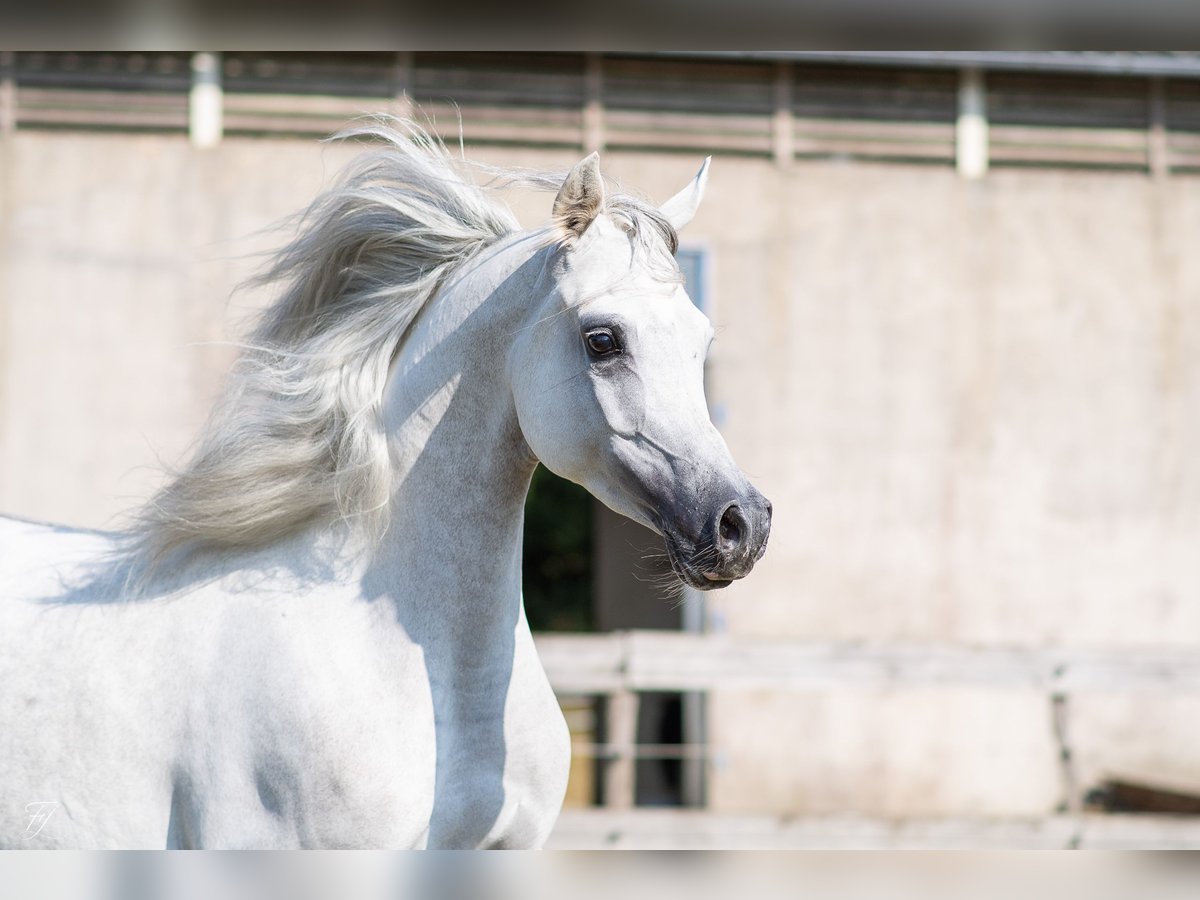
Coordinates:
<point>1137,63</point>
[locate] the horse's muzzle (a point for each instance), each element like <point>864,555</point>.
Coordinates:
<point>731,542</point>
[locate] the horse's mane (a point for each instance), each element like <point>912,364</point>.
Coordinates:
<point>296,438</point>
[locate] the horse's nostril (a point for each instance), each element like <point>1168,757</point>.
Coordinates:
<point>730,526</point>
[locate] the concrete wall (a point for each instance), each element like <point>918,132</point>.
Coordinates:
<point>974,406</point>
<point>117,258</point>
<point>977,409</point>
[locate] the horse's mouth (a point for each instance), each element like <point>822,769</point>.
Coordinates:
<point>689,573</point>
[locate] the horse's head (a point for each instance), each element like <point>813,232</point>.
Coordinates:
<point>609,382</point>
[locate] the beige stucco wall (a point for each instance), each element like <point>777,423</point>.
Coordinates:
<point>977,408</point>
<point>117,258</point>
<point>974,405</point>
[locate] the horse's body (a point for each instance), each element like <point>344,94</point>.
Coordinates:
<point>232,681</point>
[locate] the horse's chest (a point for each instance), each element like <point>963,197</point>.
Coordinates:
<point>501,769</point>
<point>456,773</point>
<point>405,755</point>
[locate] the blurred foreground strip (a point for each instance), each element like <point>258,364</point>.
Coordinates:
<point>580,876</point>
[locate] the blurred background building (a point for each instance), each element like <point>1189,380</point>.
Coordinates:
<point>958,347</point>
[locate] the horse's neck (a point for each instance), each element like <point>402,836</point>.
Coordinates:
<point>451,557</point>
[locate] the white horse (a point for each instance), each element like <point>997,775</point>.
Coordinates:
<point>314,636</point>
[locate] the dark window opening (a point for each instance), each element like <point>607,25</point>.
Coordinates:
<point>669,766</point>
<point>557,563</point>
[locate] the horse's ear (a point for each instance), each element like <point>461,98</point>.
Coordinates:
<point>680,208</point>
<point>581,198</point>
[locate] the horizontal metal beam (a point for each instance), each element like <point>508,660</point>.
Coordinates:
<point>671,661</point>
<point>1084,62</point>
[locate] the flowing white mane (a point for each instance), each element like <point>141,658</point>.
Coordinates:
<point>296,437</point>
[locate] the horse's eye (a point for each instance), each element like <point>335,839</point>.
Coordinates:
<point>602,343</point>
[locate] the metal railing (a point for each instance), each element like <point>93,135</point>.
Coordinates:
<point>781,110</point>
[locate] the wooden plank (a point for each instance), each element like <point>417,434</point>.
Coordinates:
<point>633,120</point>
<point>1044,157</point>
<point>931,132</point>
<point>874,140</point>
<point>1183,150</point>
<point>690,141</point>
<point>325,115</point>
<point>1050,152</point>
<point>583,663</point>
<point>688,131</point>
<point>619,780</point>
<point>1172,670</point>
<point>676,661</point>
<point>1072,138</point>
<point>100,100</point>
<point>300,104</point>
<point>293,105</point>
<point>874,150</point>
<point>658,663</point>
<point>517,115</point>
<point>678,829</point>
<point>102,117</point>
<point>1067,146</point>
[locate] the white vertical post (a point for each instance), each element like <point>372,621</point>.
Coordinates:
<point>622,741</point>
<point>593,103</point>
<point>205,116</point>
<point>782,126</point>
<point>972,131</point>
<point>693,707</point>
